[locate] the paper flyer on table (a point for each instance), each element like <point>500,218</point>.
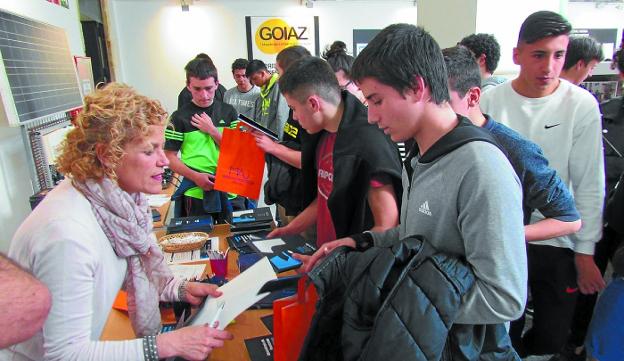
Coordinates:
<point>238,295</point>
<point>187,272</point>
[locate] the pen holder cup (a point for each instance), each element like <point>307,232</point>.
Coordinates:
<point>219,266</point>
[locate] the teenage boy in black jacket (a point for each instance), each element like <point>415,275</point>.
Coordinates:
<point>351,170</point>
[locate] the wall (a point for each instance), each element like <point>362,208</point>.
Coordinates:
<point>15,186</point>
<point>164,38</point>
<point>459,16</point>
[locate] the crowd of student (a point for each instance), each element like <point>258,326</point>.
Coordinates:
<point>501,195</point>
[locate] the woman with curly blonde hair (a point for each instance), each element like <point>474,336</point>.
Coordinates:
<point>92,236</point>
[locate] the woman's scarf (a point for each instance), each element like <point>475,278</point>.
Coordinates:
<point>127,222</point>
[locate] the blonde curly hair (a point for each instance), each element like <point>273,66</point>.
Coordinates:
<point>112,116</point>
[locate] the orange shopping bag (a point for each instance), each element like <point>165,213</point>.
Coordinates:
<point>291,321</point>
<point>241,164</point>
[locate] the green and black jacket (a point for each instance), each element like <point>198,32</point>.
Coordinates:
<point>197,149</point>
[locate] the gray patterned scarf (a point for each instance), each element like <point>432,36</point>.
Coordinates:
<point>127,222</point>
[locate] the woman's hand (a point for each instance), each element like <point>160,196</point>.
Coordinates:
<point>197,291</point>
<point>191,343</point>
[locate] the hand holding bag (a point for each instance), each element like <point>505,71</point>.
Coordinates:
<point>241,164</point>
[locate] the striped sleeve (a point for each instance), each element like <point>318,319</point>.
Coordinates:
<point>173,139</point>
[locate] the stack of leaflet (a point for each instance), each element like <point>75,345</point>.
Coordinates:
<point>242,242</point>
<point>251,220</point>
<point>280,250</point>
<point>190,224</point>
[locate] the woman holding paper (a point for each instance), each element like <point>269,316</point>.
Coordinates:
<point>92,236</point>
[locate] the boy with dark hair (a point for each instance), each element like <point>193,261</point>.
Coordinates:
<point>243,96</point>
<point>486,51</point>
<point>185,96</point>
<point>564,121</point>
<point>283,185</point>
<point>582,56</point>
<point>195,132</point>
<point>288,56</point>
<point>542,188</point>
<point>271,109</point>
<point>448,194</point>
<point>289,149</point>
<point>349,186</point>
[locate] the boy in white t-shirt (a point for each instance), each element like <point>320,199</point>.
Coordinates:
<point>564,121</point>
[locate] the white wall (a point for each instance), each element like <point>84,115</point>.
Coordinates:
<point>164,38</point>
<point>459,16</point>
<point>15,186</point>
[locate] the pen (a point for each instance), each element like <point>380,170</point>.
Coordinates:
<point>213,324</point>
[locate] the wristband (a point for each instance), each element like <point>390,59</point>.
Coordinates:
<point>363,241</point>
<point>150,351</point>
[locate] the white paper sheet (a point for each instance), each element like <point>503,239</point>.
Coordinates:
<point>238,294</point>
<point>187,272</point>
<point>266,245</point>
<point>214,243</point>
<point>241,213</point>
<point>157,200</point>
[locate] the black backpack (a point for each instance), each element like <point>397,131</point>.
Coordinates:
<point>283,185</point>
<point>614,212</point>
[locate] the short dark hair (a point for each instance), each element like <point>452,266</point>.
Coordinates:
<point>201,69</point>
<point>291,54</point>
<point>240,63</point>
<point>310,75</point>
<point>254,66</point>
<point>543,24</point>
<point>582,48</point>
<point>486,44</point>
<point>462,69</point>
<point>337,57</point>
<point>399,54</point>
<point>203,56</point>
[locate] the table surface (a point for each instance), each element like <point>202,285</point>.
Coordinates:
<point>247,325</point>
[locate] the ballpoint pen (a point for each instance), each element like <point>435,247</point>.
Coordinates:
<point>220,308</point>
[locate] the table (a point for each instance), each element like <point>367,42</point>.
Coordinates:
<point>247,325</point>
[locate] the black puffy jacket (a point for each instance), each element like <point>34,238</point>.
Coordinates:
<point>397,303</point>
<point>613,136</point>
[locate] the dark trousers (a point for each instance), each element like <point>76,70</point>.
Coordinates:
<point>552,281</point>
<point>195,207</point>
<point>585,304</point>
